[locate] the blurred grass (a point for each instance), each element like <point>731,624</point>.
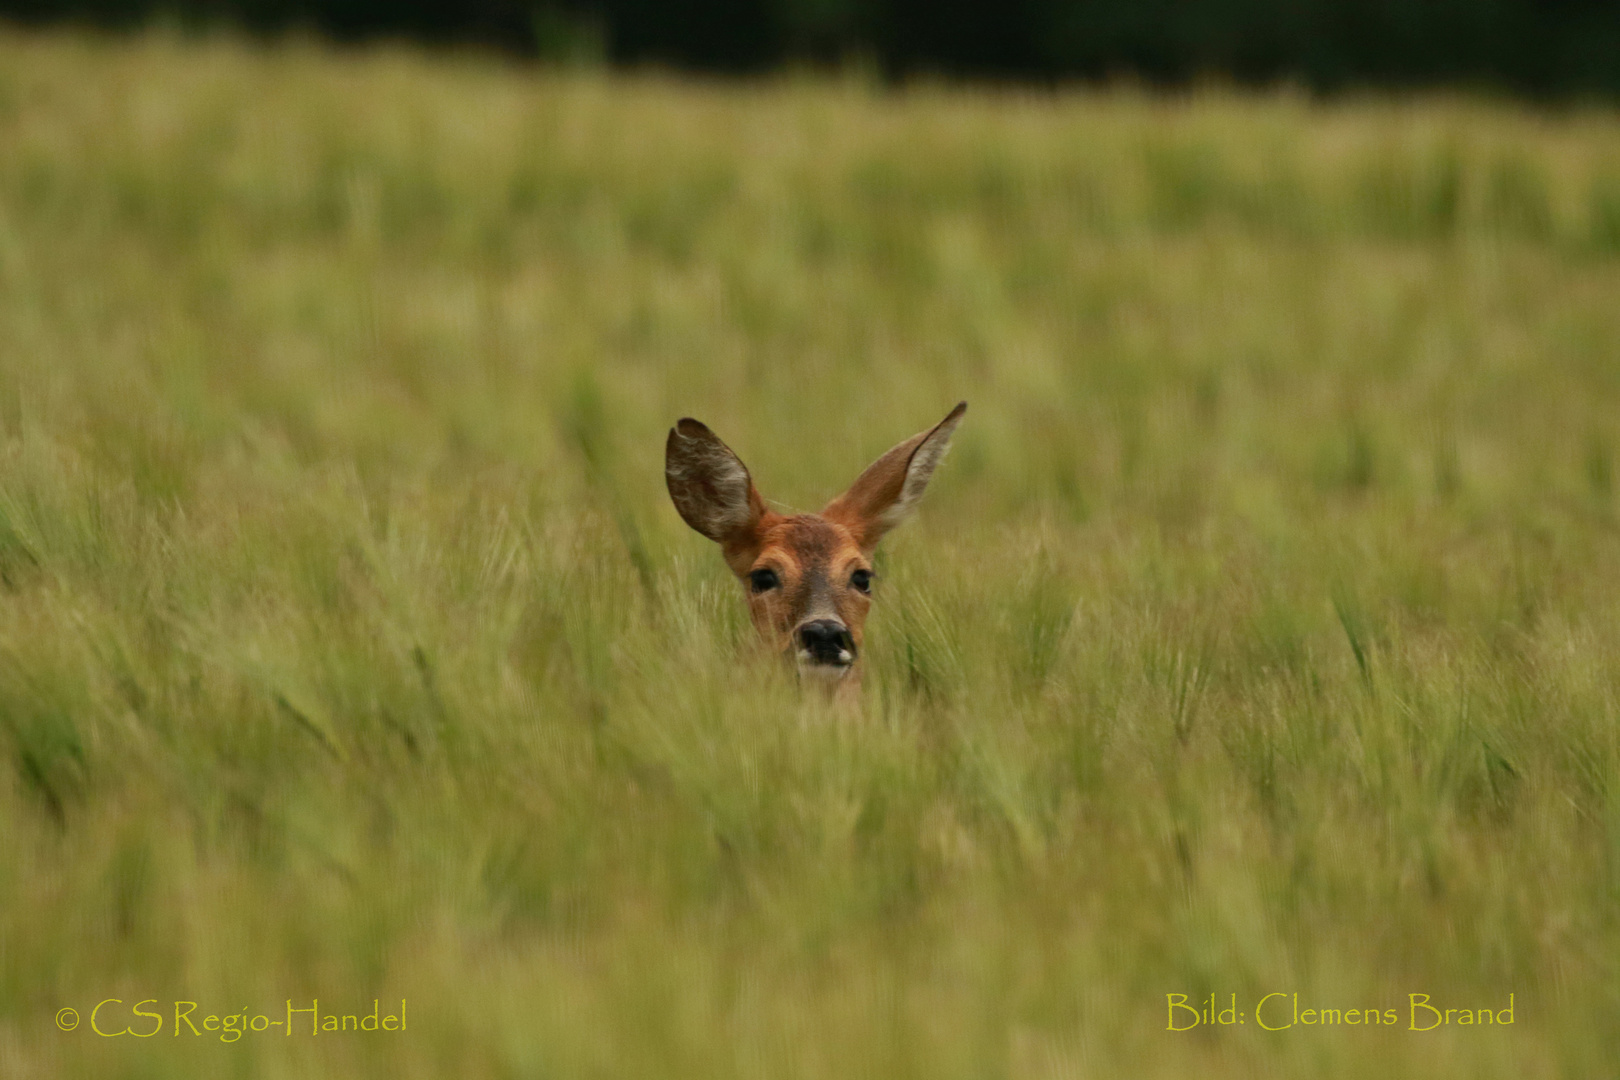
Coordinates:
<point>1260,634</point>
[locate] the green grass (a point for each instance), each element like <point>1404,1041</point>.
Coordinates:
<point>1262,633</point>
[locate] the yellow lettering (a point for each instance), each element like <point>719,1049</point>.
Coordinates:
<point>314,1017</point>
<point>97,1029</point>
<point>1423,1004</point>
<point>1336,1015</point>
<point>186,1016</point>
<point>1179,1001</point>
<point>1261,1020</point>
<point>390,1023</point>
<point>155,1016</point>
<point>1508,1010</point>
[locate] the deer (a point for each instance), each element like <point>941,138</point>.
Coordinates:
<point>808,578</point>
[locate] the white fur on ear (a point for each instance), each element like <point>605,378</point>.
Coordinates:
<point>924,460</point>
<point>708,484</point>
<point>888,491</point>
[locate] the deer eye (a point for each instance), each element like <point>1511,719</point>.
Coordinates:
<point>763,580</point>
<point>862,580</point>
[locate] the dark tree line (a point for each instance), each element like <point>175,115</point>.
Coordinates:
<point>1535,46</point>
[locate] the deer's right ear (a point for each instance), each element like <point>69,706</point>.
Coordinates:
<point>887,492</point>
<point>710,485</point>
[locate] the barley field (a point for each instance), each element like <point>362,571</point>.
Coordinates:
<point>1257,642</point>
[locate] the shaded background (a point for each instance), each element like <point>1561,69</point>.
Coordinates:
<point>1543,47</point>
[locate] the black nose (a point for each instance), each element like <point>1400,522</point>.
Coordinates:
<point>827,641</point>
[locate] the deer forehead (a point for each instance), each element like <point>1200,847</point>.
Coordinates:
<point>807,542</point>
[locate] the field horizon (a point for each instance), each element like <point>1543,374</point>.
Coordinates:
<point>1258,637</point>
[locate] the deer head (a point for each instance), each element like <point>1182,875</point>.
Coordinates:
<point>808,577</point>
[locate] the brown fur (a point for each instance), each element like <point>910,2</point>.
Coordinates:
<point>814,556</point>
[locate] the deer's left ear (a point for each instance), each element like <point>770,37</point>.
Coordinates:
<point>887,492</point>
<point>711,488</point>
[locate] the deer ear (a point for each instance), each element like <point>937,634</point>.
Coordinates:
<point>887,492</point>
<point>710,485</point>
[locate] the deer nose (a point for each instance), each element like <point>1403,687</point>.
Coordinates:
<point>828,641</point>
